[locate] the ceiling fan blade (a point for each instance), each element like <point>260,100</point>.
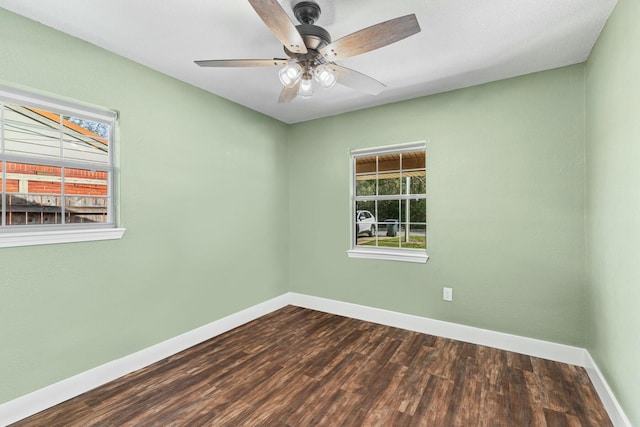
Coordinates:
<point>279,23</point>
<point>372,38</point>
<point>241,62</point>
<point>358,81</point>
<point>288,94</point>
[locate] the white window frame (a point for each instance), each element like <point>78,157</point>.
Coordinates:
<point>391,254</point>
<point>29,235</point>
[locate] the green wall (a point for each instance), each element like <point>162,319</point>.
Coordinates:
<point>613,205</point>
<point>505,195</point>
<point>202,178</point>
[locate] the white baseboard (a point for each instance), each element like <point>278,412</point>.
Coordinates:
<point>529,346</point>
<point>46,397</point>
<point>615,411</point>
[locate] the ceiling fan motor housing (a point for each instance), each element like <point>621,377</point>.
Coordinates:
<point>314,37</point>
<point>307,12</point>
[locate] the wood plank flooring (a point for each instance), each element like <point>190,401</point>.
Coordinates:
<point>299,367</point>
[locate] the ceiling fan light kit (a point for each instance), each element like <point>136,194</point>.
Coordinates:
<point>313,55</point>
<point>290,74</point>
<point>325,76</point>
<point>306,87</point>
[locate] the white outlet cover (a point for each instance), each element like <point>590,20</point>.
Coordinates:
<point>447,294</point>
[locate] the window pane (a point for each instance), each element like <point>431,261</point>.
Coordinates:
<point>85,182</point>
<point>416,238</point>
<point>389,162</point>
<point>384,231</point>
<point>416,180</point>
<point>388,210</point>
<point>33,209</point>
<point>365,213</point>
<point>82,209</point>
<point>31,132</point>
<point>85,140</point>
<point>366,185</point>
<point>417,211</point>
<point>33,194</point>
<point>389,184</point>
<point>413,227</point>
<point>388,234</point>
<point>365,223</point>
<point>86,196</point>
<point>413,160</point>
<point>33,179</point>
<point>365,176</point>
<point>366,165</point>
<point>389,174</point>
<point>368,206</point>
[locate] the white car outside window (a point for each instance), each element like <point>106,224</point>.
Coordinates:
<point>365,223</point>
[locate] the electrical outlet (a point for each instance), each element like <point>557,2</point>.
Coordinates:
<point>447,294</point>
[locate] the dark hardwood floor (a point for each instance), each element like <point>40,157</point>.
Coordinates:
<point>299,367</point>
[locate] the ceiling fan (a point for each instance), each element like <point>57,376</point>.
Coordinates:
<point>312,54</point>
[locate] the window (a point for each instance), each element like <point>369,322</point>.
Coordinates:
<point>389,203</point>
<point>56,171</point>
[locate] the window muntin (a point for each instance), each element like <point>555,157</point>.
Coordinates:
<point>389,199</point>
<point>56,164</point>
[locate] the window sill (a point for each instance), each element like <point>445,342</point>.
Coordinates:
<point>390,255</point>
<point>32,238</point>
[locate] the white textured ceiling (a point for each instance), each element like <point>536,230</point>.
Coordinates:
<point>462,43</point>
